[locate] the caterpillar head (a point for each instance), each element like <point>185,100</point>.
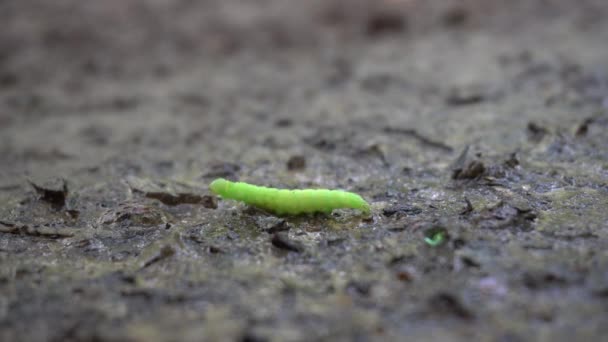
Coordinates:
<point>219,186</point>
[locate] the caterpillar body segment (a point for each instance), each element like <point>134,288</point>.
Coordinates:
<point>289,202</point>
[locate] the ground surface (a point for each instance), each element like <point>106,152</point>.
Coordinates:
<point>483,120</point>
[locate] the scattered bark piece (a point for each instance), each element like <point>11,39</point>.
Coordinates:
<point>466,95</point>
<point>252,337</point>
<point>171,199</point>
<point>505,215</point>
<point>569,236</point>
<point>329,138</point>
<point>209,202</point>
<point>40,231</point>
<point>386,22</point>
<point>296,163</point>
<point>405,274</point>
<point>164,253</point>
<point>283,122</point>
<point>458,243</point>
<point>400,259</point>
<point>468,261</point>
<point>54,193</point>
<point>334,241</point>
<point>472,170</point>
<point>407,210</point>
<point>601,293</point>
<point>466,168</point>
<point>362,288</point>
<point>583,128</point>
<point>9,187</point>
<point>397,228</point>
<point>449,304</point>
<point>223,170</point>
<point>170,193</point>
<point>215,250</point>
<point>536,133</point>
<point>455,17</point>
<point>416,135</point>
<point>468,208</point>
<point>147,294</point>
<point>540,280</point>
<point>272,224</point>
<point>374,150</point>
<point>281,240</point>
<point>130,213</point>
<point>513,161</point>
<point>8,79</point>
<point>73,213</point>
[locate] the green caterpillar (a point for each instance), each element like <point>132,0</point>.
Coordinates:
<point>289,202</point>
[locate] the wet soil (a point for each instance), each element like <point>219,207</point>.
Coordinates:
<point>477,130</point>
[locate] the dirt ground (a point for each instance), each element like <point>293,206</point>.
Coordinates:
<point>482,122</point>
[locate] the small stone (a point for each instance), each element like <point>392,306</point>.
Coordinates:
<point>296,163</point>
<point>281,240</point>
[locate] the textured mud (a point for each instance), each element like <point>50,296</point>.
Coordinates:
<point>484,121</point>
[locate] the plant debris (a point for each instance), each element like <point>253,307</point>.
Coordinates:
<point>296,163</point>
<point>54,192</point>
<point>407,210</point>
<point>171,193</point>
<point>421,138</point>
<point>466,168</point>
<point>449,304</point>
<point>281,240</point>
<point>41,231</point>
